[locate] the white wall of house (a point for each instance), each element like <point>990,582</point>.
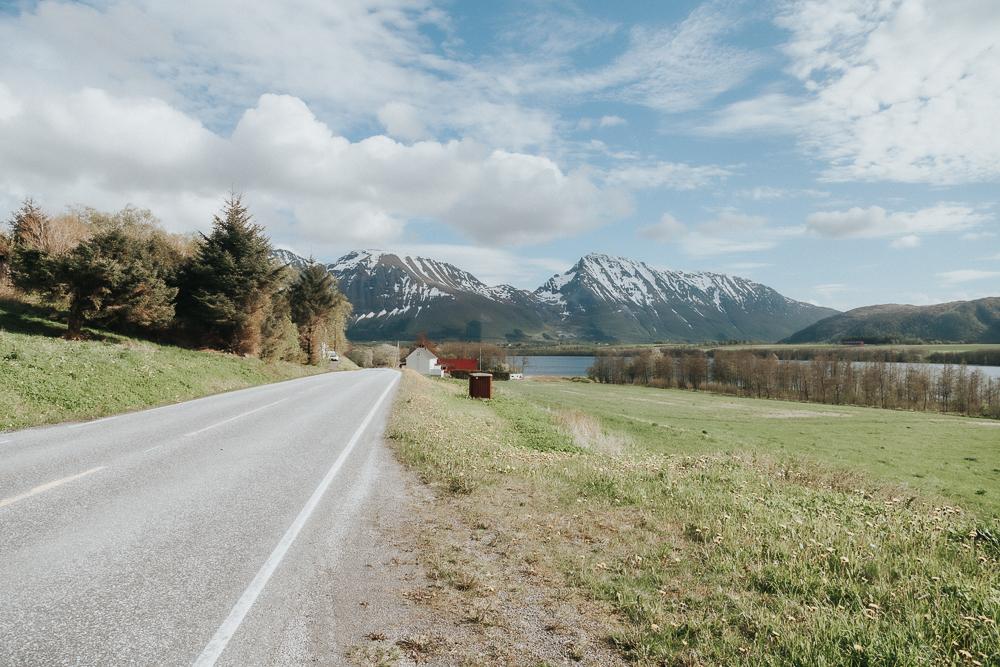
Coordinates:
<point>424,362</point>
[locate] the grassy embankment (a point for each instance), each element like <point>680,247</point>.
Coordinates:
<point>45,379</point>
<point>722,531</point>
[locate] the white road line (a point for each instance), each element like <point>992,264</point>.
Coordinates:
<point>232,623</point>
<point>151,449</point>
<point>41,488</point>
<point>5,441</point>
<point>239,416</point>
<point>95,421</point>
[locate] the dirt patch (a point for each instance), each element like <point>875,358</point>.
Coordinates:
<point>454,592</point>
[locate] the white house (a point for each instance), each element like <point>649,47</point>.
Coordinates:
<point>424,362</point>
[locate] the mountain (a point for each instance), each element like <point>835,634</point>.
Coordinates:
<point>956,322</point>
<point>398,297</point>
<point>615,298</point>
<point>601,298</point>
<point>290,258</point>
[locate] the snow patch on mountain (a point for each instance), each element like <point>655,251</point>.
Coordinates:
<point>620,280</point>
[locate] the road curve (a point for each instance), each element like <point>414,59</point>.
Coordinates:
<point>195,533</point>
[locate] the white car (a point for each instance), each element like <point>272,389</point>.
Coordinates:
<point>333,355</point>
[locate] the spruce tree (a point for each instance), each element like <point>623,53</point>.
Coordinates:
<point>229,283</point>
<point>314,299</point>
<point>106,279</point>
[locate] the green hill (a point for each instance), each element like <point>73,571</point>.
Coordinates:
<point>46,379</point>
<point>955,322</point>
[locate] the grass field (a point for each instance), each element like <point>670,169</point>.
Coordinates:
<point>955,459</point>
<point>722,531</point>
<point>45,379</point>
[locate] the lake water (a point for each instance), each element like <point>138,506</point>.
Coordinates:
<point>988,371</point>
<point>555,365</point>
<point>577,366</point>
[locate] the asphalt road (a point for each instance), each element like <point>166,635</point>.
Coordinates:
<point>206,532</point>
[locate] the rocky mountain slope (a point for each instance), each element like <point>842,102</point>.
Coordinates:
<point>955,322</point>
<point>615,298</point>
<point>601,298</point>
<point>398,297</point>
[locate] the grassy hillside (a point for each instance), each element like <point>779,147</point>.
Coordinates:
<point>45,379</point>
<point>721,531</point>
<point>960,322</point>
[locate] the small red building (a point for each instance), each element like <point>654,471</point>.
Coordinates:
<point>450,365</point>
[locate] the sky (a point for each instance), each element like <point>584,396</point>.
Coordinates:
<point>844,152</point>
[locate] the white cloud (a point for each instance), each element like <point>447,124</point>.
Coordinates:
<point>668,228</point>
<point>765,193</point>
<point>828,290</point>
<point>891,90</point>
<point>730,232</point>
<point>355,61</point>
<point>747,266</point>
<point>402,120</point>
<point>672,175</point>
<point>907,226</point>
<point>966,276</point>
<point>612,121</point>
<point>305,180</point>
<point>668,68</point>
<point>767,113</point>
<point>908,241</point>
<point>977,236</point>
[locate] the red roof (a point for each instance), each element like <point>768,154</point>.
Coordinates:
<point>458,364</point>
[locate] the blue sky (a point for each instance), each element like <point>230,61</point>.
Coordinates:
<point>842,152</point>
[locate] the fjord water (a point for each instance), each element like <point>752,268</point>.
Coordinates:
<point>571,366</point>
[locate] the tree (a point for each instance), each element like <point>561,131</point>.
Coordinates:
<point>6,252</point>
<point>105,279</point>
<point>30,227</point>
<point>314,299</point>
<point>279,335</point>
<point>229,283</point>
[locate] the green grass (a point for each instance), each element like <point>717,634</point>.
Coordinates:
<point>712,531</point>
<point>954,458</point>
<point>45,379</point>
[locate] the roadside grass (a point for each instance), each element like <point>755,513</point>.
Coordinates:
<point>708,554</point>
<point>45,379</point>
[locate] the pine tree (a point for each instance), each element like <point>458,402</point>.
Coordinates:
<point>230,281</point>
<point>314,299</point>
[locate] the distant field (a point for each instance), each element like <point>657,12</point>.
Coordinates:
<point>956,458</point>
<point>45,379</point>
<point>715,530</point>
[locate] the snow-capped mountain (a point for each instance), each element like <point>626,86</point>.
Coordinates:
<point>289,258</point>
<point>401,296</point>
<point>599,298</point>
<point>615,298</point>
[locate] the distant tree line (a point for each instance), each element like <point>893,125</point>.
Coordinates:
<point>124,272</point>
<point>823,379</point>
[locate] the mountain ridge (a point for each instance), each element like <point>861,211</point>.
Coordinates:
<point>600,298</point>
<point>974,321</point>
